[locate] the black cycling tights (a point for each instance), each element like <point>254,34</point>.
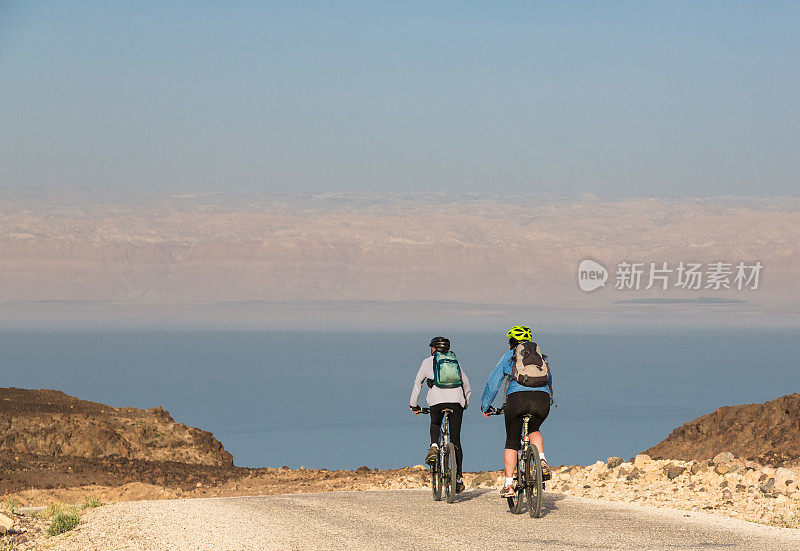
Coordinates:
<point>455,427</point>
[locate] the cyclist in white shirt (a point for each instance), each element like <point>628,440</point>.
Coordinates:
<point>456,399</point>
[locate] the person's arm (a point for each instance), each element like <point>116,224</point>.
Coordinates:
<point>466,387</point>
<point>418,380</point>
<point>493,384</point>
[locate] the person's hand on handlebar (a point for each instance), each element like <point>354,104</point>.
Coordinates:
<point>416,409</point>
<point>491,411</point>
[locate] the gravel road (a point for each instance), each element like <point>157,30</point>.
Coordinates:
<point>409,519</point>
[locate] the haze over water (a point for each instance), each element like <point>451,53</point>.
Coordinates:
<point>340,399</point>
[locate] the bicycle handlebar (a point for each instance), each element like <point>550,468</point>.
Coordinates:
<point>493,411</point>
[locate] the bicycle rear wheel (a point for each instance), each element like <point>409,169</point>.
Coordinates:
<point>534,490</point>
<point>436,481</point>
<point>515,503</point>
<point>450,472</point>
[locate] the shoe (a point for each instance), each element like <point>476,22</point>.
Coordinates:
<point>433,453</point>
<point>459,487</point>
<point>545,471</point>
<point>507,491</point>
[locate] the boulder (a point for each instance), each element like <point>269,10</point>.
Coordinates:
<point>674,472</point>
<point>613,462</point>
<point>641,460</point>
<point>724,457</point>
<point>5,524</point>
<point>722,468</point>
<point>784,477</point>
<point>484,479</point>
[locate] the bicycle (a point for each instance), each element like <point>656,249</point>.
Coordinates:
<point>527,473</point>
<point>444,470</point>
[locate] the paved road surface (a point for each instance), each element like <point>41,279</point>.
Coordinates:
<point>409,519</point>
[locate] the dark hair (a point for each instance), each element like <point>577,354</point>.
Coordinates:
<point>512,343</point>
<point>442,344</point>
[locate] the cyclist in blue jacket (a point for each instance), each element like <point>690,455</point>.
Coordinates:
<point>520,400</point>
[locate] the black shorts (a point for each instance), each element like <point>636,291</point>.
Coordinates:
<point>535,402</point>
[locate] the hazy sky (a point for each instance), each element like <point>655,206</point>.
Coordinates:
<point>675,98</point>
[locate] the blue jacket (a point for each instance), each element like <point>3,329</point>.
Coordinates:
<point>497,377</point>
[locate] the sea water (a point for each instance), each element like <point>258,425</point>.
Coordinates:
<point>340,399</point>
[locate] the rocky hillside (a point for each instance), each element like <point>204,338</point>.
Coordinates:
<point>51,423</point>
<point>768,433</point>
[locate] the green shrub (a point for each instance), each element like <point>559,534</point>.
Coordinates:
<point>63,521</point>
<point>91,503</point>
<point>51,510</point>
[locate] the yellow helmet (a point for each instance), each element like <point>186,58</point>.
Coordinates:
<point>520,333</point>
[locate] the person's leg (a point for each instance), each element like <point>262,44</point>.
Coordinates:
<point>513,420</point>
<point>455,433</point>
<point>536,440</point>
<point>436,422</point>
<point>540,408</point>
<point>510,461</point>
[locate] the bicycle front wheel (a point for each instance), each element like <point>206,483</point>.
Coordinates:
<point>450,473</point>
<point>436,481</point>
<point>534,490</point>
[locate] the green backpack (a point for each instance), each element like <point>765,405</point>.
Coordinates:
<point>446,371</point>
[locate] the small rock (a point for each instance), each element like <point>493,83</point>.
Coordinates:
<point>767,486</point>
<point>724,457</point>
<point>698,467</point>
<point>613,462</point>
<point>641,460</point>
<point>784,477</point>
<point>5,524</point>
<point>635,474</point>
<point>363,469</point>
<point>674,472</point>
<point>487,478</point>
<point>727,494</point>
<point>741,487</point>
<point>722,468</point>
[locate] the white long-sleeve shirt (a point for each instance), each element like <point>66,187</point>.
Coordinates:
<point>438,395</point>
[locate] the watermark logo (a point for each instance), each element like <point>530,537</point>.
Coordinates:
<point>591,275</point>
<point>633,276</point>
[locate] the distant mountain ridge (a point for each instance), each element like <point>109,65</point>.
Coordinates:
<point>91,245</point>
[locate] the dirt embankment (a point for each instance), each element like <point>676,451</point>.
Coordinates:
<point>766,433</point>
<point>51,423</point>
<point>57,448</point>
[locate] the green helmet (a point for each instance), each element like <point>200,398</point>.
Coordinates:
<point>520,333</point>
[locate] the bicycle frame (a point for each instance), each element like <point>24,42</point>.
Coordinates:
<point>440,467</point>
<point>528,472</point>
